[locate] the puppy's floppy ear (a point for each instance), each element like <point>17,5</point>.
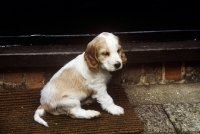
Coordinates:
<point>91,55</point>
<point>123,57</point>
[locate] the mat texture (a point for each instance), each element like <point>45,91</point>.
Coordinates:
<point>17,108</point>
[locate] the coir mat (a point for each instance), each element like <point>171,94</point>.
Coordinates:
<point>17,108</point>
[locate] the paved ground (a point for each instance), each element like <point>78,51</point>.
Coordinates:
<point>181,118</point>
<point>154,119</point>
<point>185,117</point>
<point>173,108</point>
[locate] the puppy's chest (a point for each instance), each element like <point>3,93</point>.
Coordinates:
<point>100,79</point>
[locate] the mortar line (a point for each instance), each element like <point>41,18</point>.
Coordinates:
<point>176,131</point>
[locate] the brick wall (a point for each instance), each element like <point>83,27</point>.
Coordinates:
<point>25,78</point>
<point>161,73</point>
<point>131,74</point>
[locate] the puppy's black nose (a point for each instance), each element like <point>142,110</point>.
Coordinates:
<point>117,65</point>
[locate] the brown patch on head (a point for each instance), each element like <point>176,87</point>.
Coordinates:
<point>91,53</point>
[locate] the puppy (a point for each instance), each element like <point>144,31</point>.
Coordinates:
<point>82,80</point>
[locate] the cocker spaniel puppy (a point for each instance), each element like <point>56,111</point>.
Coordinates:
<point>83,80</point>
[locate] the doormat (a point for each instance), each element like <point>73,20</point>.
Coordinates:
<point>17,108</point>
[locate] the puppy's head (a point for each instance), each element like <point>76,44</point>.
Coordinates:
<point>105,51</point>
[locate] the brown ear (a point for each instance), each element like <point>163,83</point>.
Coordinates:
<point>91,56</point>
<point>123,56</point>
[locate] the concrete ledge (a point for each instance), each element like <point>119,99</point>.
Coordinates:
<point>162,94</point>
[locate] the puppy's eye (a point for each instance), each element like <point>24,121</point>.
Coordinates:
<point>106,53</point>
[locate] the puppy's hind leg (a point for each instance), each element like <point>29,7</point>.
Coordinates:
<point>74,109</point>
<point>88,101</point>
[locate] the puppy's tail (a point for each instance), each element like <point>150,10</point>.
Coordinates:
<point>37,117</point>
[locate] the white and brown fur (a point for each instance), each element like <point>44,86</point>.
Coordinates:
<point>83,80</point>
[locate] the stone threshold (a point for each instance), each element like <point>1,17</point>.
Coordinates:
<point>136,52</point>
<point>163,94</point>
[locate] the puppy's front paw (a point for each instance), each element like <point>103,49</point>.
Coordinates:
<point>115,110</point>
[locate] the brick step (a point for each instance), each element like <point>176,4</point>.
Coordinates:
<point>136,52</point>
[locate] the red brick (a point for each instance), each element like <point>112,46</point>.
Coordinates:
<point>13,76</point>
<point>131,73</point>
<point>153,72</point>
<point>49,72</point>
<point>173,70</point>
<point>34,78</point>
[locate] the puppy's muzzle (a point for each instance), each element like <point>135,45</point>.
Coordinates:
<point>117,65</point>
